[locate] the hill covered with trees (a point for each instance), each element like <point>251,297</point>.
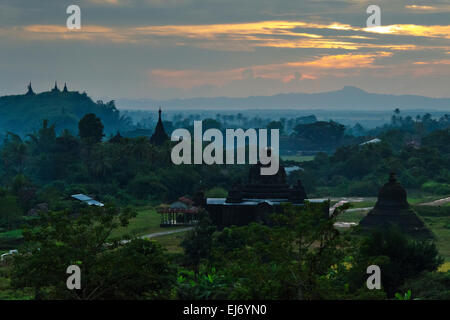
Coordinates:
<point>23,114</point>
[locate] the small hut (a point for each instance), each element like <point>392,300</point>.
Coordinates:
<point>180,213</point>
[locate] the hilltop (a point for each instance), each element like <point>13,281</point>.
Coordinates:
<point>24,113</point>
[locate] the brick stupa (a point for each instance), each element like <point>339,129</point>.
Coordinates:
<point>392,208</point>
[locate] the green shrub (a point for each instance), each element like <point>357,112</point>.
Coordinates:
<point>363,188</point>
<point>143,187</point>
<point>398,257</point>
<point>433,211</point>
<point>216,192</point>
<point>436,188</point>
<point>429,286</point>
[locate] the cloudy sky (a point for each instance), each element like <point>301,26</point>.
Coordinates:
<point>192,48</point>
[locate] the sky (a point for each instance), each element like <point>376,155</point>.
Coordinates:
<point>165,49</point>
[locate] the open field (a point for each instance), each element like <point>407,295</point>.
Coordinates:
<point>353,216</point>
<point>146,222</point>
<point>10,240</point>
<point>438,220</point>
<point>297,158</point>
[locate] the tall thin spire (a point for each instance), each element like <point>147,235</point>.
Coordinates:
<point>55,89</point>
<point>30,91</point>
<point>160,136</point>
<point>65,88</point>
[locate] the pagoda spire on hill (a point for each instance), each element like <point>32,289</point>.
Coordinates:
<point>30,91</point>
<point>160,136</point>
<point>55,88</point>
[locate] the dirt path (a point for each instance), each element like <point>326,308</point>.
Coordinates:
<point>359,209</point>
<point>351,224</point>
<point>164,233</point>
<point>436,202</point>
<point>159,234</point>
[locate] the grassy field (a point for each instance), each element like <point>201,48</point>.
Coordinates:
<point>438,220</point>
<point>297,158</point>
<point>364,204</point>
<point>354,216</point>
<point>10,240</point>
<point>172,242</point>
<point>146,222</point>
<point>441,227</point>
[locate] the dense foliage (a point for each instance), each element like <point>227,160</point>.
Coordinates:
<point>110,269</point>
<point>360,170</point>
<point>23,114</point>
<point>47,168</point>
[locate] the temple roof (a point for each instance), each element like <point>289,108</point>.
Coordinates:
<point>267,187</point>
<point>160,136</point>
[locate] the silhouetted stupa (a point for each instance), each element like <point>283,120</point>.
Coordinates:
<point>55,88</point>
<point>65,88</point>
<point>160,136</point>
<point>30,91</point>
<point>392,208</point>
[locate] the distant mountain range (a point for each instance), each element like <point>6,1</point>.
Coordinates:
<point>348,98</point>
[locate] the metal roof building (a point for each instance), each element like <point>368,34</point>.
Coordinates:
<point>88,200</point>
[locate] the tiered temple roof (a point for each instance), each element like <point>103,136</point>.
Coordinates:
<point>256,200</point>
<point>267,187</point>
